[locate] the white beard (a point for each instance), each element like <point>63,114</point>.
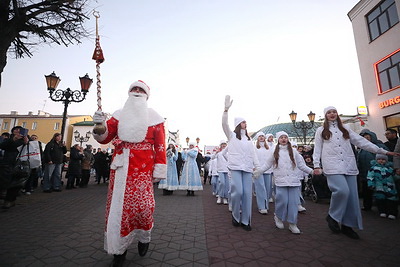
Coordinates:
<point>133,122</point>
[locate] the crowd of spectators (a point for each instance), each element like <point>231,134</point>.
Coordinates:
<point>55,168</point>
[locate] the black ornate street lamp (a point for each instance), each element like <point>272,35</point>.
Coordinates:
<point>67,96</point>
<point>304,126</point>
<point>82,139</point>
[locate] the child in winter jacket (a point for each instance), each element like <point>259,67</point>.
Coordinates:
<point>380,180</point>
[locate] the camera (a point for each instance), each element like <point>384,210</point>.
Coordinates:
<point>23,131</point>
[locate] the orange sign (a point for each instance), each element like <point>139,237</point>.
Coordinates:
<point>390,102</point>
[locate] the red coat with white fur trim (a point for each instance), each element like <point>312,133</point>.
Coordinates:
<point>130,200</point>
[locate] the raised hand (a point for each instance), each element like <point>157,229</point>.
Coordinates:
<point>228,102</point>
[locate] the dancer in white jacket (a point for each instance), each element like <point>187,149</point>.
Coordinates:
<point>333,149</point>
<point>223,179</point>
<point>241,162</point>
<point>285,162</point>
<point>262,184</point>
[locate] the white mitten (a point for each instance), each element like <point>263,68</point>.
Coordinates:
<point>99,117</point>
<point>257,173</point>
<point>228,102</point>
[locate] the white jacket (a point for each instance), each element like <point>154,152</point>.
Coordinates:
<point>285,173</point>
<point>336,154</point>
<point>222,163</point>
<point>263,154</point>
<point>242,155</point>
<point>213,167</point>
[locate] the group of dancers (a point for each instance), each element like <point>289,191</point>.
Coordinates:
<point>279,168</point>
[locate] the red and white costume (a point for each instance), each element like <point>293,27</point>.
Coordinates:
<point>130,199</point>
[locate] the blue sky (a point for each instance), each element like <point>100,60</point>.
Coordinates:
<point>270,56</point>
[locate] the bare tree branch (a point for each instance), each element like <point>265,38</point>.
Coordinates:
<point>25,24</point>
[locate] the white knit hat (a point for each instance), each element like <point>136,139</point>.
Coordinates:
<point>259,134</point>
<point>142,85</point>
<point>279,134</point>
<point>222,142</point>
<point>293,143</point>
<point>328,108</point>
<point>238,120</point>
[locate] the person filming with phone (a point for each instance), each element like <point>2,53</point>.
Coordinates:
<point>18,137</point>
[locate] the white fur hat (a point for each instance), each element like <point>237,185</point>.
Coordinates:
<point>259,134</point>
<point>142,85</point>
<point>293,143</point>
<point>192,144</point>
<point>238,120</point>
<point>328,108</point>
<point>279,134</point>
<point>222,142</point>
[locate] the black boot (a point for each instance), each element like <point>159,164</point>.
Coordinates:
<point>192,193</point>
<point>165,192</point>
<point>143,248</point>
<point>188,193</point>
<point>348,231</point>
<point>118,260</point>
<point>333,225</point>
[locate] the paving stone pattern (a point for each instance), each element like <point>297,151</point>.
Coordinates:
<point>66,229</point>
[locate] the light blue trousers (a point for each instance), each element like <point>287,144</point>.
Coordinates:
<point>223,184</point>
<point>286,201</point>
<point>263,188</point>
<point>214,183</point>
<point>345,205</point>
<point>241,196</point>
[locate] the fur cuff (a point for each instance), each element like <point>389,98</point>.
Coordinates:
<point>100,138</point>
<point>160,171</point>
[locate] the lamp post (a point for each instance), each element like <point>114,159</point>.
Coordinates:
<point>82,139</point>
<point>304,126</point>
<point>66,96</point>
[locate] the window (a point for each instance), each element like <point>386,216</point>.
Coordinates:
<point>57,126</point>
<point>5,125</point>
<point>34,125</point>
<point>23,125</point>
<point>387,71</point>
<point>382,18</point>
<point>393,121</point>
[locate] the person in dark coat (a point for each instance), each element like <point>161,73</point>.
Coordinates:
<point>179,164</point>
<point>53,159</point>
<point>87,163</point>
<point>9,146</point>
<point>74,166</point>
<point>199,161</point>
<point>391,136</point>
<point>101,165</point>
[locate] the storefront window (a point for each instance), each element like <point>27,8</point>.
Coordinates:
<point>393,122</point>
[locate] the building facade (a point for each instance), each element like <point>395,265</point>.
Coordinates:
<point>43,124</point>
<point>376,30</point>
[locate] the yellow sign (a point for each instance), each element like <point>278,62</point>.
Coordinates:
<point>362,110</point>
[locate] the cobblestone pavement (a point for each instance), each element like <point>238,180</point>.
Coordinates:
<point>66,229</point>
